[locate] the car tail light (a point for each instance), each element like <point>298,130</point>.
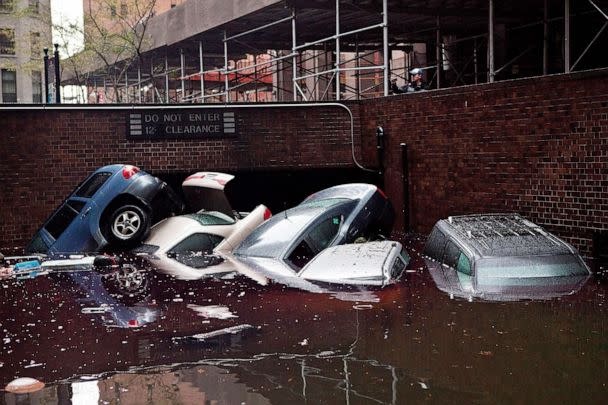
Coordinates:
<point>379,190</point>
<point>129,171</point>
<point>133,323</point>
<point>267,214</point>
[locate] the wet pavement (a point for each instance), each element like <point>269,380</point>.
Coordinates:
<point>234,341</point>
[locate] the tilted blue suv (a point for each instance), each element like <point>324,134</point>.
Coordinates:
<point>115,205</point>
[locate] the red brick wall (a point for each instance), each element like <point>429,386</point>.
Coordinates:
<point>535,146</point>
<point>46,153</point>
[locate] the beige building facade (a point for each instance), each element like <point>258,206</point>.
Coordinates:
<point>25,29</point>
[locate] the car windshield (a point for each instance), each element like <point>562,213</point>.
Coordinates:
<point>274,236</point>
<point>530,266</point>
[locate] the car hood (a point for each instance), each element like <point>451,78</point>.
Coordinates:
<point>359,264</point>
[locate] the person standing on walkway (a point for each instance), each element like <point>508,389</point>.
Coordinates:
<point>416,83</point>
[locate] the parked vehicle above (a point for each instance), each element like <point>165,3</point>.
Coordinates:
<point>115,205</point>
<point>376,263</point>
<point>502,257</point>
<point>183,245</point>
<point>334,216</point>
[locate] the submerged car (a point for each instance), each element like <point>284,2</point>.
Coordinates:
<point>115,205</point>
<point>502,257</point>
<point>343,214</point>
<point>184,245</point>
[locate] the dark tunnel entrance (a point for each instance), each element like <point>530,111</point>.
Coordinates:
<point>276,189</point>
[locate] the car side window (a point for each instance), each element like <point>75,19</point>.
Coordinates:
<point>301,255</point>
<point>199,242</point>
<point>322,234</point>
<point>451,255</point>
<point>90,187</point>
<point>464,264</point>
<point>63,218</point>
<point>435,244</point>
<point>397,268</point>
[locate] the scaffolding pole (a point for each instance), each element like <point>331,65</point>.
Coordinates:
<point>337,61</point>
<point>294,60</point>
<point>182,71</point>
<point>139,84</point>
<point>567,36</point>
<point>385,45</point>
<point>127,86</point>
<point>491,72</point>
<point>166,80</point>
<point>438,53</point>
<point>152,80</point>
<point>546,38</point>
<point>201,70</point>
<point>226,84</point>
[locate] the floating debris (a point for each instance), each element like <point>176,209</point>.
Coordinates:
<point>24,385</point>
<point>212,311</point>
<point>225,331</point>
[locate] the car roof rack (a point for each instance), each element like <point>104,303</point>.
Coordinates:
<point>488,228</point>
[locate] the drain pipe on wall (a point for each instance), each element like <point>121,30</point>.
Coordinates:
<point>406,187</point>
<point>223,106</point>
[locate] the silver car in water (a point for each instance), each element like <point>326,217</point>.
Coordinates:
<point>287,242</point>
<point>502,257</point>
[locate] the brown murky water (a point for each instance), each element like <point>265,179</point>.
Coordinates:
<point>406,343</point>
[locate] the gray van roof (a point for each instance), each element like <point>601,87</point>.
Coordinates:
<point>491,235</point>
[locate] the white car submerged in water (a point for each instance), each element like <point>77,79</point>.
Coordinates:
<point>186,246</point>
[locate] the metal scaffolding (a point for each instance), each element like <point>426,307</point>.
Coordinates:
<point>353,63</point>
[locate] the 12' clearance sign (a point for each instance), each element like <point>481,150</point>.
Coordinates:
<point>181,124</point>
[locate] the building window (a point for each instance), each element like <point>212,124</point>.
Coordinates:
<point>35,44</point>
<point>35,6</point>
<point>6,6</point>
<point>9,86</point>
<point>7,41</point>
<point>36,87</point>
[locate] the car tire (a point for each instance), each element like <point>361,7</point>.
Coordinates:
<point>127,283</point>
<point>127,225</point>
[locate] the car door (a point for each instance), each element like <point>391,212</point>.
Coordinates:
<point>317,237</point>
<point>73,225</point>
<point>70,227</point>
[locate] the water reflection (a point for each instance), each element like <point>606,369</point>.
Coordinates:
<point>408,342</point>
<point>457,284</point>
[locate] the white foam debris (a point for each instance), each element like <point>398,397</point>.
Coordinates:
<point>423,385</point>
<point>212,311</point>
<point>24,385</point>
<point>231,330</point>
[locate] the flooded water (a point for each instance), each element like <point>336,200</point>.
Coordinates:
<point>234,341</point>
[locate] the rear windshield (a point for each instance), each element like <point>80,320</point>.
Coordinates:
<point>211,218</point>
<point>530,266</point>
<point>90,186</point>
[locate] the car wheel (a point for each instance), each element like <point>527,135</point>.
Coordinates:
<point>127,283</point>
<point>128,225</point>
